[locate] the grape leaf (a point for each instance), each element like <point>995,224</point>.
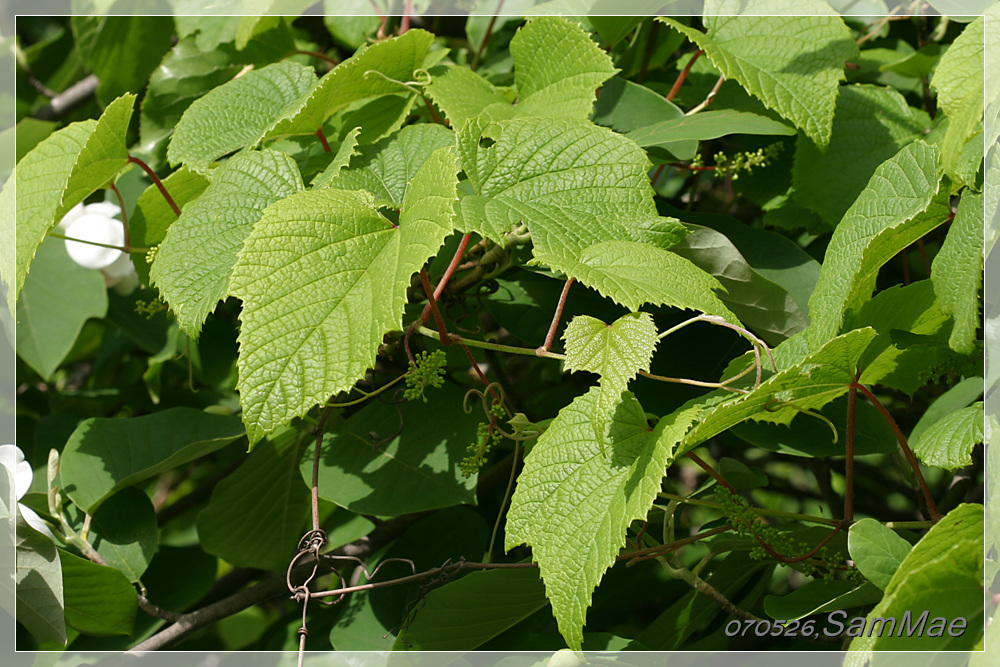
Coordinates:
<point>192,265</point>
<point>557,68</point>
<point>957,271</point>
<point>152,215</point>
<point>959,82</point>
<point>60,172</point>
<point>185,74</point>
<point>380,69</point>
<point>807,384</point>
<point>961,395</point>
<point>345,153</point>
<point>386,168</point>
<point>210,127</point>
<point>314,312</point>
<point>870,125</point>
<point>901,188</point>
<point>615,352</point>
<point>792,64</point>
<point>572,503</point>
<point>948,442</point>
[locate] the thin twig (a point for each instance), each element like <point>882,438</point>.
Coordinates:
<point>124,248</point>
<point>907,452</point>
<point>121,205</point>
<point>683,75</point>
<point>68,98</point>
<point>314,488</point>
<point>486,37</point>
<point>159,184</point>
<point>709,99</point>
<point>550,336</point>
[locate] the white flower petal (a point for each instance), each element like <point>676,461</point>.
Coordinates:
<point>96,229</point>
<point>12,458</point>
<point>34,520</point>
<point>104,208</point>
<point>70,216</point>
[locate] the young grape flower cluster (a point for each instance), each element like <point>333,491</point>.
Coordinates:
<point>486,437</point>
<point>427,372</point>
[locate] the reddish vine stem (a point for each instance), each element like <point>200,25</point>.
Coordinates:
<point>159,184</point>
<point>852,403</point>
<point>318,54</point>
<point>381,28</point>
<point>690,167</point>
<point>322,140</point>
<point>404,25</point>
<point>432,302</point>
<point>652,552</point>
<point>711,471</point>
<point>907,452</point>
<point>486,37</point>
<point>551,335</point>
<point>788,559</point>
<point>121,205</point>
<point>439,290</point>
<point>683,75</point>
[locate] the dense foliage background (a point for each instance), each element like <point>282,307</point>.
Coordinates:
<point>827,177</point>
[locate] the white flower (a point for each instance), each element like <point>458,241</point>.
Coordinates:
<point>12,459</point>
<point>96,223</point>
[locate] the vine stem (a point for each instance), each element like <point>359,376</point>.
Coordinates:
<point>550,336</point>
<point>755,510</point>
<point>455,338</point>
<point>683,75</point>
<point>486,37</point>
<point>643,554</point>
<point>709,99</point>
<point>432,302</point>
<point>712,472</point>
<point>314,488</point>
<point>121,205</point>
<point>506,498</point>
<point>907,452</point>
<point>852,407</point>
<point>439,290</point>
<point>318,54</point>
<point>156,180</point>
<point>124,248</point>
<point>322,140</point>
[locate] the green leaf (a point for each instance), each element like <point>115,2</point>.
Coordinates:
<point>808,384</point>
<point>912,309</point>
<point>345,153</point>
<point>625,106</point>
<point>871,233</point>
<point>957,271</point>
<point>193,264</point>
<point>60,172</point>
<point>29,133</point>
<point>615,352</point>
<point>356,23</point>
<point>38,583</point>
<point>259,510</point>
<point>568,164</point>
<point>632,274</point>
<point>122,50</point>
<point>792,64</point>
<point>959,82</point>
<point>876,550</point>
<point>760,304</point>
<point>105,455</point>
<point>209,129</point>
<point>346,282</point>
<point>557,68</point>
<point>956,398</point>
<point>100,601</point>
<point>948,443</point>
<point>375,70</point>
<point>454,617</point>
<point>809,436</point>
<point>870,125</point>
<point>707,125</point>
<point>386,168</point>
<point>820,597</point>
<point>185,74</point>
<point>124,532</point>
<point>369,468</point>
<point>58,297</point>
<point>152,216</point>
<point>943,575</point>
<point>572,503</point>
